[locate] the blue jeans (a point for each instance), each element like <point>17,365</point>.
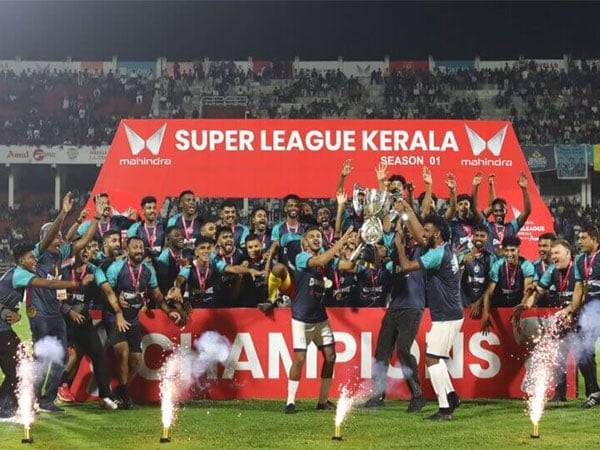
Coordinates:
<point>50,374</point>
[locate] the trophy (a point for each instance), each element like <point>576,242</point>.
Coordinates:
<point>374,205</point>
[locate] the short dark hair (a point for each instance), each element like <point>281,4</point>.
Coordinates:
<point>511,241</point>
<point>462,197</point>
<point>228,204</point>
<point>291,197</point>
<point>251,237</point>
<point>258,208</point>
<point>21,249</point>
<point>148,199</point>
<point>440,224</point>
<point>184,193</point>
<point>170,229</point>
<point>133,238</point>
<point>101,194</point>
<point>399,178</point>
<point>204,240</point>
<point>591,230</point>
<point>110,233</point>
<point>221,230</point>
<point>481,228</point>
<point>312,228</point>
<point>500,201</point>
<point>421,197</point>
<point>549,236</point>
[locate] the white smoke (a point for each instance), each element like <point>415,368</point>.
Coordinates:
<point>185,367</point>
<point>589,323</point>
<point>46,351</point>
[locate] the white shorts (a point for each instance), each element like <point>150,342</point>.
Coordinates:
<point>304,333</point>
<point>441,337</point>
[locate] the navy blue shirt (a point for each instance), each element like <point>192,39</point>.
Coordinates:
<point>41,301</point>
<point>83,298</point>
<point>408,289</point>
<point>560,284</point>
<point>587,270</point>
<point>442,283</point>
<point>116,223</point>
<point>308,305</point>
<point>153,236</point>
<point>476,277</point>
<point>133,287</point>
<point>510,282</point>
<point>462,231</point>
<point>168,264</point>
<point>12,288</point>
<point>373,286</point>
<point>191,228</point>
<point>499,232</point>
<point>203,285</point>
<point>344,287</point>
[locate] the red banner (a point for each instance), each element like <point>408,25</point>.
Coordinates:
<point>397,66</point>
<point>272,158</point>
<point>482,366</point>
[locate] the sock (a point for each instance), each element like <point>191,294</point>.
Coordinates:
<point>447,381</point>
<point>292,389</point>
<point>273,284</point>
<point>436,373</point>
<point>324,392</point>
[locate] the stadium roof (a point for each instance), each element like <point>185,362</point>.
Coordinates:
<point>53,30</point>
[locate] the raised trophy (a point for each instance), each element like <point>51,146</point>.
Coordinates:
<point>374,205</point>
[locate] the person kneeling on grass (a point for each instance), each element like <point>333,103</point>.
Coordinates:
<point>309,318</point>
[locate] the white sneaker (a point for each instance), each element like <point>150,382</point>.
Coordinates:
<point>108,403</point>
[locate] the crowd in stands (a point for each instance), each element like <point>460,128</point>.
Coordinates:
<point>64,107</point>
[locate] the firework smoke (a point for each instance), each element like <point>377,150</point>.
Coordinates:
<point>183,368</point>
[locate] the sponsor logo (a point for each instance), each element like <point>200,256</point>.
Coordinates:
<point>38,154</point>
<point>153,143</point>
<point>493,145</point>
<point>13,154</point>
<point>537,161</point>
<point>137,144</point>
<point>72,153</point>
<point>479,145</point>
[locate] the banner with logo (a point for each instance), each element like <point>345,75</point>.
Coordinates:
<point>482,365</point>
<point>540,158</point>
<point>571,161</point>
<point>397,66</point>
<point>64,154</point>
<point>454,65</point>
<point>271,158</point>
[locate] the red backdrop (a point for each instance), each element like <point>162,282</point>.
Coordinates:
<point>482,366</point>
<point>312,170</point>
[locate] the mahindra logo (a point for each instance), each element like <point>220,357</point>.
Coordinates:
<point>137,144</point>
<point>479,145</point>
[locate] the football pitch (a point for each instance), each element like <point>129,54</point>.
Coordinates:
<point>254,423</point>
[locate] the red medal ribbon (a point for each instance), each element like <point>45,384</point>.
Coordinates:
<point>189,231</point>
<point>511,279</point>
<point>562,284</point>
<point>102,231</point>
<point>202,280</point>
<point>499,233</point>
<point>135,281</point>
<point>295,230</point>
<point>83,273</point>
<point>150,237</point>
<point>588,266</point>
<point>328,236</point>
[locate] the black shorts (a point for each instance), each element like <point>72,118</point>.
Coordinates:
<point>133,336</point>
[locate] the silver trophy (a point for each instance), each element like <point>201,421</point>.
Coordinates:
<point>374,205</point>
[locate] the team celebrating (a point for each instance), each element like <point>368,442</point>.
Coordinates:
<point>442,259</point>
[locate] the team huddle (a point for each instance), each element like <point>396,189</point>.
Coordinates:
<point>442,259</point>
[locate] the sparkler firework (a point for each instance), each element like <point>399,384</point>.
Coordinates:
<point>540,376</point>
<point>182,369</point>
<point>344,406</point>
<point>25,391</point>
